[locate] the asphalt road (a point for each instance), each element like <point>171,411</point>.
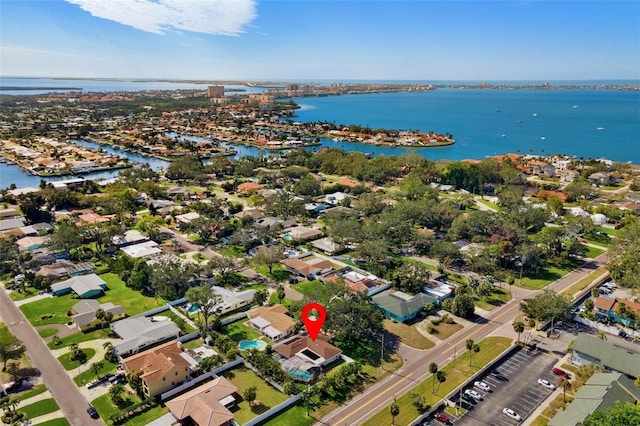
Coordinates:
<point>414,370</point>
<point>71,402</point>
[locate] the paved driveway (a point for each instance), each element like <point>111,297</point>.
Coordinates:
<point>514,386</point>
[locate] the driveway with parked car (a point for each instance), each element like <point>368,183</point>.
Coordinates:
<point>513,384</point>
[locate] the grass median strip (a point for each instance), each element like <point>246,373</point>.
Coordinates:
<point>490,348</point>
<point>40,408</point>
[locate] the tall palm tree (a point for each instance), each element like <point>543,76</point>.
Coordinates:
<point>433,369</point>
<point>394,409</point>
<point>518,327</point>
<point>96,367</point>
<point>565,384</point>
<point>469,345</point>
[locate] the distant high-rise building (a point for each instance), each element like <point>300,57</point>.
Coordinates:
<point>215,91</point>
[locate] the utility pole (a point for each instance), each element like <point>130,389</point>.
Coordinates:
<point>455,350</point>
<point>382,351</point>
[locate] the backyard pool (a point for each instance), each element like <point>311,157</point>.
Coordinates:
<point>252,344</point>
<point>300,374</point>
<point>287,236</point>
<point>193,309</point>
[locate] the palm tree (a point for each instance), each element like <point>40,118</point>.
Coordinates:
<point>394,409</point>
<point>441,376</point>
<point>565,384</point>
<point>518,327</point>
<point>115,393</point>
<point>601,335</point>
<point>433,369</point>
<point>469,345</point>
<point>100,316</point>
<point>96,367</point>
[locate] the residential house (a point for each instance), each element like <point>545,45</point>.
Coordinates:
<point>92,218</point>
<point>85,313</point>
<point>326,245</point>
<point>187,217</point>
<point>569,176</point>
<point>337,198</point>
<point>9,224</point>
<point>206,405</point>
<point>160,369</point>
<point>590,350</point>
<point>138,333</point>
<point>255,214</point>
<point>142,250</point>
<point>309,267</point>
<point>438,290</point>
<point>600,178</point>
<point>272,321</point>
<point>36,229</point>
<point>129,238</point>
<point>232,300</point>
<point>85,286</point>
<point>30,243</point>
<point>400,306</point>
<point>303,358</point>
<point>58,269</point>
<point>357,280</point>
<point>301,233</point>
<point>602,390</point>
<point>607,308</point>
<point>9,213</point>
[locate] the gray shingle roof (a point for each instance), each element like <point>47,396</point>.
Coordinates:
<point>610,356</point>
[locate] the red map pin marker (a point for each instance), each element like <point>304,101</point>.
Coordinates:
<point>313,326</point>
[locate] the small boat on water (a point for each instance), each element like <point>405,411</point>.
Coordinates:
<point>535,114</point>
<point>542,138</point>
<point>600,128</point>
<point>576,106</point>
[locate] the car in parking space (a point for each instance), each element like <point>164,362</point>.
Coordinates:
<point>512,414</point>
<point>473,394</point>
<point>546,384</point>
<point>561,372</point>
<point>468,398</point>
<point>482,386</point>
<point>442,417</point>
<point>92,412</point>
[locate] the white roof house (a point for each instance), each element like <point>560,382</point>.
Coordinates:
<point>141,250</point>
<point>140,332</point>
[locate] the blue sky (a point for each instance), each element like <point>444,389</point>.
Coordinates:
<point>315,40</point>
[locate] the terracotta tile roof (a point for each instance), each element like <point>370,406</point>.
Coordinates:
<point>155,363</point>
<point>276,315</point>
<point>605,303</point>
<point>202,404</point>
<point>321,346</point>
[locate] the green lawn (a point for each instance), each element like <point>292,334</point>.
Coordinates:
<point>610,231</point>
<point>231,251</point>
<point>269,397</point>
<point>548,275</point>
<point>408,334</point>
<point>488,204</point>
<point>600,240</point>
<point>80,337</point>
<point>294,416</point>
<point>40,408</point>
<point>184,327</point>
<point>51,310</point>
<point>105,408</point>
<point>444,330</point>
<point>55,422</point>
<point>498,297</point>
<point>278,274</point>
<point>21,295</point>
<point>307,287</point>
<point>238,331</point>
<point>133,301</point>
<point>4,332</point>
<point>490,348</point>
<point>273,300</point>
<point>68,364</point>
<point>47,332</point>
<point>417,262</point>
<point>87,376</point>
<point>592,252</point>
<point>36,390</point>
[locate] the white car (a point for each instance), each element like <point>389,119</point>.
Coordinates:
<point>482,386</point>
<point>510,413</point>
<point>546,384</point>
<point>473,394</point>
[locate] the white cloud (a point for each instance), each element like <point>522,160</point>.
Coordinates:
<point>224,17</point>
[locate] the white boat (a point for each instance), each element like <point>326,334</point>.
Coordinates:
<point>576,106</point>
<point>542,138</point>
<point>600,128</point>
<point>535,114</point>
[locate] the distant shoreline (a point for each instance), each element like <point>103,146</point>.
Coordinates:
<point>27,88</point>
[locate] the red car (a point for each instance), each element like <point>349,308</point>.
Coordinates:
<point>562,373</point>
<point>442,417</point>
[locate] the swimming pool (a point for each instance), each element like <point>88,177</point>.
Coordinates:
<point>252,344</point>
<point>288,236</point>
<point>300,374</point>
<point>193,309</point>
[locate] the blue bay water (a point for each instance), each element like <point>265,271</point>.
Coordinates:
<point>488,122</point>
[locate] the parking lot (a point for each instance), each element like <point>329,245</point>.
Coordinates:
<point>514,385</point>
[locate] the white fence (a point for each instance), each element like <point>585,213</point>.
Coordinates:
<point>607,328</point>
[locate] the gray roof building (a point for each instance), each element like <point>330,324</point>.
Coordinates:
<point>401,306</point>
<point>140,332</point>
<point>83,285</point>
<point>600,391</point>
<point>8,224</point>
<point>590,350</point>
<point>86,311</point>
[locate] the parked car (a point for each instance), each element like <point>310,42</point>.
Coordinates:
<point>622,333</point>
<point>482,386</point>
<point>546,384</point>
<point>92,412</point>
<point>442,417</point>
<point>466,397</point>
<point>510,413</point>
<point>560,372</point>
<point>473,394</point>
